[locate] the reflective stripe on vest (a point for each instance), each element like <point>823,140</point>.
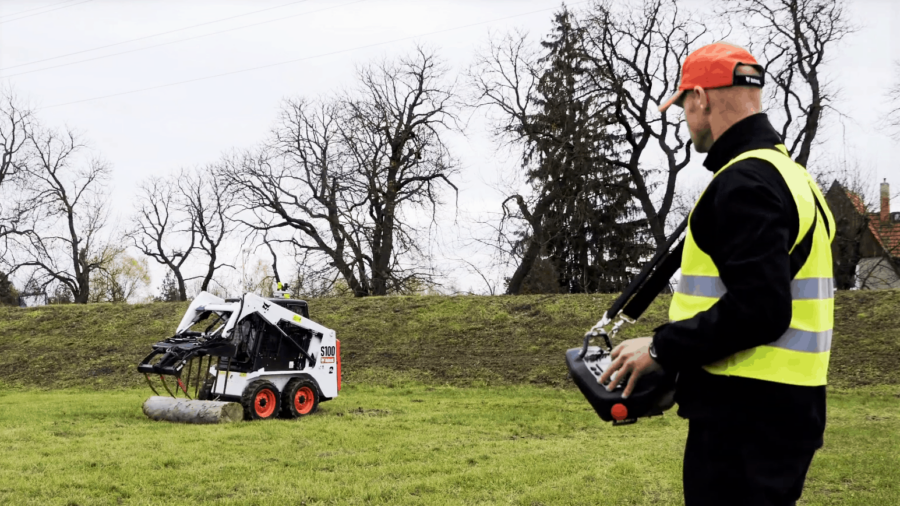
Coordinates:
<point>712,286</point>
<point>800,356</point>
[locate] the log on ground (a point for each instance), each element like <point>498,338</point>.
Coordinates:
<point>192,411</point>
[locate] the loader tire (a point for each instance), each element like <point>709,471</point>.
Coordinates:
<point>300,398</point>
<point>260,400</point>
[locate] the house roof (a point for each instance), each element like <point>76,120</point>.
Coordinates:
<point>886,233</point>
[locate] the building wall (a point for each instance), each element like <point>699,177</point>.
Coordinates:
<point>876,274</point>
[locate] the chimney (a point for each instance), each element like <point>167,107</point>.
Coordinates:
<point>885,202</point>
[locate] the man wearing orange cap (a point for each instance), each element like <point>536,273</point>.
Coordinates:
<point>751,320</point>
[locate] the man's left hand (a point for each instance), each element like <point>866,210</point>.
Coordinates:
<point>631,358</point>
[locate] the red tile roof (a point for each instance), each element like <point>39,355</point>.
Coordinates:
<point>857,201</point>
<point>886,233</point>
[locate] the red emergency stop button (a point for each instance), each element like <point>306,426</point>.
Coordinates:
<point>619,412</point>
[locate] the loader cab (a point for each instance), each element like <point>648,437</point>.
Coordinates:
<point>298,306</point>
<point>262,346</point>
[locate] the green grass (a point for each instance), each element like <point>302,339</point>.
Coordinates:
<point>410,444</point>
<point>447,400</point>
<point>460,341</point>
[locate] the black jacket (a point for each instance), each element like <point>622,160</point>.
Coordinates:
<point>747,222</point>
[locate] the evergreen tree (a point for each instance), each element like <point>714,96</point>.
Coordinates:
<point>9,296</point>
<point>592,234</point>
<point>168,290</point>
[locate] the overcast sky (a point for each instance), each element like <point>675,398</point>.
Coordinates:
<point>153,110</point>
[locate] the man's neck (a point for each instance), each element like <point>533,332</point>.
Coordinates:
<point>721,122</point>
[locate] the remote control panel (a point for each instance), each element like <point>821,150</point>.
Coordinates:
<point>653,394</point>
<point>597,360</point>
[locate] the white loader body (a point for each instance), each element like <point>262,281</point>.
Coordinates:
<point>264,353</point>
<point>323,347</point>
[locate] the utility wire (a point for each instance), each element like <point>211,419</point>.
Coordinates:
<point>179,40</point>
<point>153,35</point>
<point>33,9</point>
<point>44,12</point>
<point>331,53</point>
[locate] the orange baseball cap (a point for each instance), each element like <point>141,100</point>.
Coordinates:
<point>714,66</point>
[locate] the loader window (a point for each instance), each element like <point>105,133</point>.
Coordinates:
<point>299,336</point>
<point>250,335</point>
<point>261,345</point>
<point>296,306</point>
<point>247,336</point>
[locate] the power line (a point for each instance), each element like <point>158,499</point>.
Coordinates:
<point>177,41</point>
<point>44,12</point>
<point>153,35</point>
<point>33,9</point>
<point>332,53</point>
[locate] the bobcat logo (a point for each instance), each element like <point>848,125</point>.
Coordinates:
<point>265,306</point>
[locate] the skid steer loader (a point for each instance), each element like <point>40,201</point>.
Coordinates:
<point>264,353</point>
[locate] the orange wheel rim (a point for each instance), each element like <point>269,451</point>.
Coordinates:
<point>265,403</point>
<point>303,400</point>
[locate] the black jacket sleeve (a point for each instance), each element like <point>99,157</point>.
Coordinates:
<point>746,222</point>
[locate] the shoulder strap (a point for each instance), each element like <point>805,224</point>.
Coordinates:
<point>657,282</point>
<point>801,251</point>
<point>645,290</point>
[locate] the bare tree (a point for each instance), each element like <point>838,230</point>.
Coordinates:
<point>793,38</point>
<point>209,203</point>
<point>300,185</point>
<point>17,122</point>
<point>161,229</point>
<point>340,174</point>
<point>506,78</point>
<point>65,241</point>
<point>393,133</point>
<point>892,116</point>
<point>637,49</point>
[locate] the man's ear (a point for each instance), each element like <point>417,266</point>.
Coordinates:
<point>702,99</point>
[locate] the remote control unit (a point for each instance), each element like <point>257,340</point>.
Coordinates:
<point>653,394</point>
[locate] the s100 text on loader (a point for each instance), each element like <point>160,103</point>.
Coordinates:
<point>263,353</point>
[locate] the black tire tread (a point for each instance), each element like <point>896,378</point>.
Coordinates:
<point>287,397</point>
<point>249,395</point>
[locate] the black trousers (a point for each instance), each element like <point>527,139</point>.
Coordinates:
<point>733,466</point>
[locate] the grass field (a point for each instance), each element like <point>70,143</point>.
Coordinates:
<point>406,444</point>
<point>447,400</point>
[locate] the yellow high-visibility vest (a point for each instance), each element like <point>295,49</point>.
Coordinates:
<point>800,356</point>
